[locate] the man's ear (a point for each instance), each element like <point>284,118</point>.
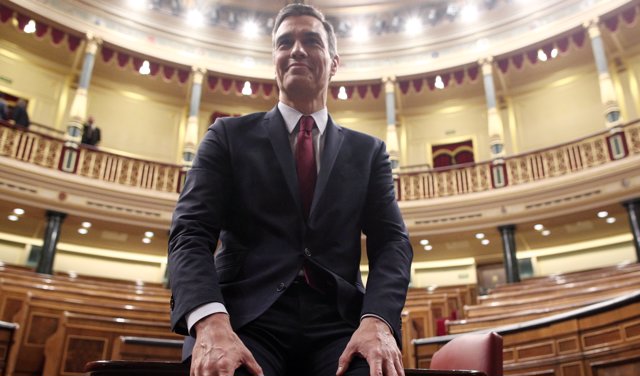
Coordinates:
<point>335,62</point>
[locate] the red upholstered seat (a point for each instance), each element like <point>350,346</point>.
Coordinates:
<point>472,351</point>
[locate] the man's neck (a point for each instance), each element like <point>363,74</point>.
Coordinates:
<point>305,106</point>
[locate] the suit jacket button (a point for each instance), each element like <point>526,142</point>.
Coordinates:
<point>172,302</point>
<point>281,286</point>
<point>307,252</point>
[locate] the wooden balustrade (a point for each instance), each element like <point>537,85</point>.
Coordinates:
<point>93,163</point>
<point>90,162</point>
<point>556,161</point>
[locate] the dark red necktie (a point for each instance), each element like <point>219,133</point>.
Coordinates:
<point>306,162</point>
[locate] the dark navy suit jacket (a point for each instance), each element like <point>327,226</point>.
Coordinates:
<point>243,192</point>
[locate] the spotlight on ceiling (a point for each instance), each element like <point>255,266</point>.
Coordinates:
<point>413,26</point>
<point>469,13</point>
<point>250,29</point>
<point>195,17</point>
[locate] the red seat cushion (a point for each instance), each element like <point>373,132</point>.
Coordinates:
<point>471,351</point>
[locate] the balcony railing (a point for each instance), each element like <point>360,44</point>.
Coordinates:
<point>50,152</point>
<point>595,150</point>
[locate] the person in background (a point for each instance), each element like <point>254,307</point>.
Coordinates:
<point>4,110</point>
<point>90,133</point>
<point>288,194</point>
<point>20,116</point>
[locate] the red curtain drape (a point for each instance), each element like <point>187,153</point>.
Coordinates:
<point>452,154</point>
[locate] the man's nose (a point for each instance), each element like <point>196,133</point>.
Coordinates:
<point>298,51</point>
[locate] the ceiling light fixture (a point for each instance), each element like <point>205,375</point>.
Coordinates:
<point>428,247</point>
<point>542,56</point>
<point>250,28</point>
<point>145,69</point>
<point>148,234</point>
<point>18,211</point>
<point>12,217</point>
<point>246,89</point>
<point>469,13</point>
<point>360,32</point>
<point>30,27</point>
<point>137,4</point>
<point>439,84</point>
<point>603,214</point>
<point>485,242</point>
<point>195,18</point>
<point>342,93</point>
<point>538,227</point>
<point>83,231</point>
<point>86,224</point>
<point>546,233</point>
<point>413,26</point>
<point>611,220</point>
<point>146,240</point>
<point>479,235</point>
<point>424,242</point>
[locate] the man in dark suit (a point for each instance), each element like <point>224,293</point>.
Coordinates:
<point>20,115</point>
<point>90,133</point>
<point>287,194</point>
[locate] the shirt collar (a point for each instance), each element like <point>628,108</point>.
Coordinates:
<point>292,116</point>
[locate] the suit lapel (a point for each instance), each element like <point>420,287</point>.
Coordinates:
<point>332,144</point>
<point>279,138</point>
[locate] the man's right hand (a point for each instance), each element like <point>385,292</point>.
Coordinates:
<point>218,351</point>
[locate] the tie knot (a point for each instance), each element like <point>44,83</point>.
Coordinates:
<point>306,123</point>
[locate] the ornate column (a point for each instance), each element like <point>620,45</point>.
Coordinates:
<point>51,237</point>
<point>512,270</point>
<point>191,133</point>
<point>633,210</point>
<point>496,131</point>
<point>393,147</point>
<point>78,112</point>
<point>607,91</point>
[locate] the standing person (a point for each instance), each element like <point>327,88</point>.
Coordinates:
<point>90,133</point>
<point>20,116</point>
<point>4,109</point>
<point>288,193</point>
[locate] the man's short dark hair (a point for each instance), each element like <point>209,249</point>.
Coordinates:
<point>292,10</point>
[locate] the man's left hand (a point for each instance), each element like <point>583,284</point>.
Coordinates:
<point>373,341</point>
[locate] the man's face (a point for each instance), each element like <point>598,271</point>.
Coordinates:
<point>301,57</point>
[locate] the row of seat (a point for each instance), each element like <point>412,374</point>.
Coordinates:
<point>63,323</point>
<point>544,297</point>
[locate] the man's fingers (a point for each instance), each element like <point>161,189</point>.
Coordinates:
<point>252,365</point>
<point>375,367</point>
<point>344,360</point>
<point>397,361</point>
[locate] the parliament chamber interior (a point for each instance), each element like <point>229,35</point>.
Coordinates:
<point>512,127</point>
